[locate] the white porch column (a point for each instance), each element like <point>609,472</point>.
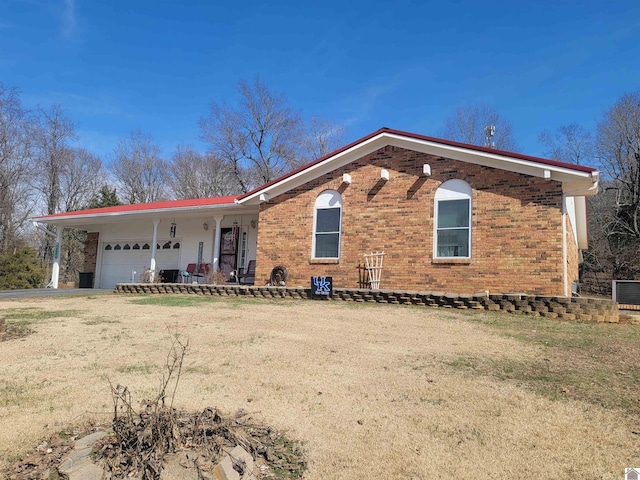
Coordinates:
<point>152,263</point>
<point>565,276</point>
<point>216,243</point>
<point>55,269</point>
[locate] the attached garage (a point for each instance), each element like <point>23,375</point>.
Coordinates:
<point>124,261</point>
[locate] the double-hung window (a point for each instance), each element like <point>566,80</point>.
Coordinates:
<point>327,223</point>
<point>453,220</point>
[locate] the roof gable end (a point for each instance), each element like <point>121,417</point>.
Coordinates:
<point>576,179</point>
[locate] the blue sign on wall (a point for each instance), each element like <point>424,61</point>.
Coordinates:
<point>321,286</point>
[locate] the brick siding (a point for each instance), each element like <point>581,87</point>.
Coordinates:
<point>516,228</point>
<point>91,252</point>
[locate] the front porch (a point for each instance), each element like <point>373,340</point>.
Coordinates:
<point>170,239</point>
<point>183,249</point>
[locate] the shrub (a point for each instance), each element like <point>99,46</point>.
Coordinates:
<point>21,268</point>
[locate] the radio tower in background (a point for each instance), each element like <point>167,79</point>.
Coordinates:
<point>489,132</point>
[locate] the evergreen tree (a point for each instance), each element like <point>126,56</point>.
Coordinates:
<point>106,197</point>
<point>20,268</point>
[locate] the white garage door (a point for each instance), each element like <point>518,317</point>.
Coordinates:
<point>121,259</point>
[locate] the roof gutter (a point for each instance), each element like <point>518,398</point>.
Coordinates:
<point>42,229</point>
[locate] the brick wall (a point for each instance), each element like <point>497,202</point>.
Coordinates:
<point>516,228</point>
<point>91,252</point>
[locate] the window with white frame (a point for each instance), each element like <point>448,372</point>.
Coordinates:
<point>453,220</point>
<point>326,225</point>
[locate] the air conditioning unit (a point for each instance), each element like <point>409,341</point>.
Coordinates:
<point>626,292</point>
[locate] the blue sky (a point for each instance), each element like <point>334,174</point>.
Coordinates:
<point>120,65</point>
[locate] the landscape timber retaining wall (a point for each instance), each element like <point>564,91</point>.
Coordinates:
<point>566,308</point>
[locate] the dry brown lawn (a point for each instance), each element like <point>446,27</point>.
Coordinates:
<point>373,391</point>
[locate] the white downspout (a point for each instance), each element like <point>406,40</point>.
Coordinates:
<point>152,263</point>
<point>216,243</point>
<point>565,279</point>
<point>55,269</point>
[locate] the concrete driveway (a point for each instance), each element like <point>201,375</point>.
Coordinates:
<point>52,292</point>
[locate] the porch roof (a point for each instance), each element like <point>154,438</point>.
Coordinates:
<point>195,207</point>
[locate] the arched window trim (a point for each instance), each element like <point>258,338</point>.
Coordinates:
<point>327,200</point>
<point>452,191</point>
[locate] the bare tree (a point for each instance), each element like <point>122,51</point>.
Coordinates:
<point>140,171</point>
<point>618,149</point>
<point>321,138</point>
<point>15,166</point>
<point>81,177</point>
<point>197,175</point>
<point>570,143</point>
<point>66,179</point>
<point>258,139</point>
<point>599,260</point>
<point>53,153</point>
<point>468,125</point>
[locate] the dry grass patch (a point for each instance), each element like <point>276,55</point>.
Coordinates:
<point>370,390</point>
<point>20,320</point>
<point>594,363</point>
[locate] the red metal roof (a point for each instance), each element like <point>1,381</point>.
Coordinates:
<point>544,161</point>
<point>141,207</point>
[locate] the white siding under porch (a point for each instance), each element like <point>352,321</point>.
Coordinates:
<point>116,266</point>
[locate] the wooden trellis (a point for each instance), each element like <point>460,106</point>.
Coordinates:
<point>373,266</point>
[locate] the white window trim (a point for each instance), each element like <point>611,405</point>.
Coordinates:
<point>325,206</point>
<point>451,190</point>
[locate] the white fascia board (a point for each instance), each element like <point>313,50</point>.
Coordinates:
<point>112,217</point>
<point>488,159</point>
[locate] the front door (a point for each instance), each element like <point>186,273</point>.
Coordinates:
<point>228,250</point>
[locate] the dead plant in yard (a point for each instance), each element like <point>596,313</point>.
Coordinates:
<point>143,440</point>
<point>216,278</point>
<point>151,276</point>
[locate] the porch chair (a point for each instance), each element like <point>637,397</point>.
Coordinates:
<point>249,274</point>
<point>190,271</point>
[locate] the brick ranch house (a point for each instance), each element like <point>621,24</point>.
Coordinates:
<point>448,216</point>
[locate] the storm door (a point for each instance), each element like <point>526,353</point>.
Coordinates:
<point>228,250</point>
